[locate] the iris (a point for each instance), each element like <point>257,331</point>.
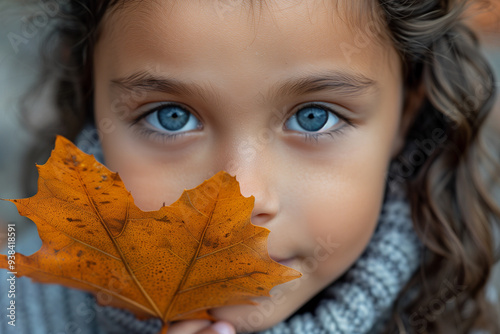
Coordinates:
<point>312,119</point>
<point>172,118</point>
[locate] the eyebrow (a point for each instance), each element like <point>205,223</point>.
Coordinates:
<point>338,82</point>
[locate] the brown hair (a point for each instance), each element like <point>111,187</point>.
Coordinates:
<point>453,209</point>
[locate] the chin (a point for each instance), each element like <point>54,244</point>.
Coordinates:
<point>250,318</point>
<point>265,313</point>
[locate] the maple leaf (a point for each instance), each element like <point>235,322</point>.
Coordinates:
<point>176,263</point>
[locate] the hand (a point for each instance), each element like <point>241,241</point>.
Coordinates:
<point>201,327</point>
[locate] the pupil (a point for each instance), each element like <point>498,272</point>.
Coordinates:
<point>312,119</point>
<point>172,118</point>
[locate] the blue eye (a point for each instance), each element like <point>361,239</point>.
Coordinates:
<point>171,118</point>
<point>312,118</point>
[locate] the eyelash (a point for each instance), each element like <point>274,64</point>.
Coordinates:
<point>165,137</point>
<point>152,134</point>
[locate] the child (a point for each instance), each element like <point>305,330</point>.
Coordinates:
<point>354,124</point>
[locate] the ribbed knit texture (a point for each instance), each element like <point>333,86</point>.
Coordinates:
<point>46,308</point>
<point>356,303</point>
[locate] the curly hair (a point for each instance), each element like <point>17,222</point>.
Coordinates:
<point>452,208</point>
<point>450,185</point>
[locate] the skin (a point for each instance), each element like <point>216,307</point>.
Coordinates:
<point>305,190</point>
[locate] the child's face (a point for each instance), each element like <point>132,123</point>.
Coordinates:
<point>320,198</point>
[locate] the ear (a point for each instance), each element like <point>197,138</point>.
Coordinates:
<point>412,103</point>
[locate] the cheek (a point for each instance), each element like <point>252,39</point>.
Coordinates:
<point>153,177</point>
<point>147,182</point>
<point>341,215</point>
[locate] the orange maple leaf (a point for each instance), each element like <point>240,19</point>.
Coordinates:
<point>175,263</point>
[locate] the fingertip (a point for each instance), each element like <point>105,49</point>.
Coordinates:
<point>223,327</point>
<point>191,326</point>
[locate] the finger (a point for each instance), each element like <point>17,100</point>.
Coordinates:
<point>188,327</point>
<point>220,327</point>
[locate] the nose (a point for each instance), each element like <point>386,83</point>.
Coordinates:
<point>256,178</point>
<point>265,205</point>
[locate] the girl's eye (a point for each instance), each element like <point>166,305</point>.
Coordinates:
<point>172,118</point>
<point>314,118</point>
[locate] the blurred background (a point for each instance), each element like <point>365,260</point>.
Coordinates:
<point>19,68</point>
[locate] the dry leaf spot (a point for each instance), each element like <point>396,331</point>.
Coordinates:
<point>80,252</point>
<point>81,225</point>
<point>73,220</point>
<point>163,219</point>
<point>165,244</point>
<point>208,243</point>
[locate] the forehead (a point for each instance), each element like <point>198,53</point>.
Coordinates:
<point>357,15</point>
<point>219,32</point>
<point>357,11</point>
